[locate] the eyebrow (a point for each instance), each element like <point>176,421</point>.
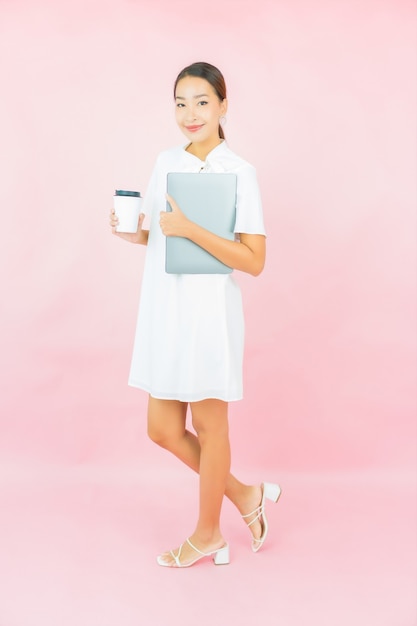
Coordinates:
<point>199,96</point>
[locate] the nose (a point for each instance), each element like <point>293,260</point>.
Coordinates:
<point>191,114</point>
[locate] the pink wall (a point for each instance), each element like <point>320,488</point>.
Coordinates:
<point>322,102</point>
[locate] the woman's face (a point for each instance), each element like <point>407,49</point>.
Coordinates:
<point>198,109</point>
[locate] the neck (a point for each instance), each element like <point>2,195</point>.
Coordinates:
<point>201,150</point>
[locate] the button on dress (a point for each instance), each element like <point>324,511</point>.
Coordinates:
<point>189,337</point>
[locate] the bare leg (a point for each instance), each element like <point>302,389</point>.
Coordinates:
<point>212,428</point>
<point>211,425</point>
<point>166,427</point>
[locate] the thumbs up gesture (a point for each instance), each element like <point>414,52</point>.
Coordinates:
<point>173,223</point>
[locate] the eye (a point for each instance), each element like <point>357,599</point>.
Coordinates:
<point>180,105</point>
<point>202,102</point>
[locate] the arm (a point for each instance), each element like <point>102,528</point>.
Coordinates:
<point>246,255</point>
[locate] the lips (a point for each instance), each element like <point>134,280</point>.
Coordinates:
<point>193,129</point>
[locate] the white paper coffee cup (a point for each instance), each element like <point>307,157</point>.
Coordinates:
<point>127,206</point>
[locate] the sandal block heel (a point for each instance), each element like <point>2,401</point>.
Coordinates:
<point>222,556</point>
<point>272,491</point>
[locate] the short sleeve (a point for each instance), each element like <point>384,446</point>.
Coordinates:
<point>249,215</point>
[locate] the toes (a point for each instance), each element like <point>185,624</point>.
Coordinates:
<point>166,559</point>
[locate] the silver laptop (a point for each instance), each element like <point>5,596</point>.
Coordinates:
<point>210,201</point>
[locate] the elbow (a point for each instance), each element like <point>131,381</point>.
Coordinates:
<point>258,262</point>
<point>256,272</point>
<point>257,269</point>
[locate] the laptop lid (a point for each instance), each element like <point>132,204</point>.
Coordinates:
<point>208,199</point>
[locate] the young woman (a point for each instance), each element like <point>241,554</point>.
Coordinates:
<point>189,341</point>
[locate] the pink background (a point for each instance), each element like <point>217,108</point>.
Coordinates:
<point>322,100</point>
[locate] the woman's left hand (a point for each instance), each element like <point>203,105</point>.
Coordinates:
<point>173,223</point>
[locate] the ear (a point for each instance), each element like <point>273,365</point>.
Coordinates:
<point>223,107</point>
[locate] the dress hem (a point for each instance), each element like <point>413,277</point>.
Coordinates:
<point>186,397</point>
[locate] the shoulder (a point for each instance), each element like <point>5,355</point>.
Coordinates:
<point>248,192</point>
<point>169,156</point>
<point>233,162</point>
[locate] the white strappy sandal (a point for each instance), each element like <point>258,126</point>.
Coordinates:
<point>220,556</point>
<point>271,492</point>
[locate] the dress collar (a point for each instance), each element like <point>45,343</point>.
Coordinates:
<point>212,154</point>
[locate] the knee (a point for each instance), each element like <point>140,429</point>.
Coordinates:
<point>169,439</point>
<point>211,430</point>
<point>158,436</point>
<point>210,418</point>
<point>166,422</point>
<point>209,435</point>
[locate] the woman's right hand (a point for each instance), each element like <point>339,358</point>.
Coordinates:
<point>140,236</point>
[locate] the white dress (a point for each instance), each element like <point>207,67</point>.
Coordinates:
<point>190,329</point>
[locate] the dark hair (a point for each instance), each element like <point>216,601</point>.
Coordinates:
<point>211,74</point>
